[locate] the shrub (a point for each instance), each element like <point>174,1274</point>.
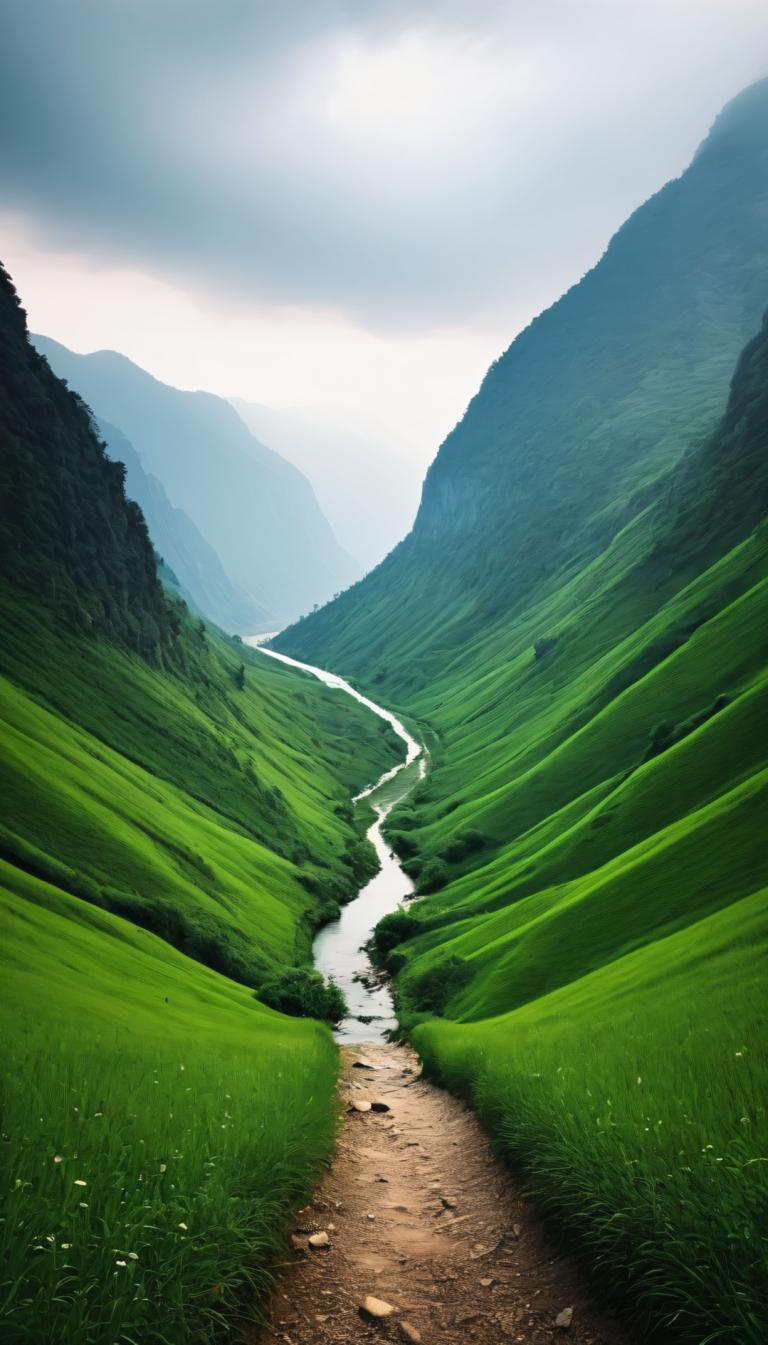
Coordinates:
<point>303,993</point>
<point>393,929</point>
<point>464,843</point>
<point>433,876</point>
<point>431,991</point>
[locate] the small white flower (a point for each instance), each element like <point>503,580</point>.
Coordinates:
<point>121,1263</point>
<point>184,1226</point>
<point>58,1159</point>
<point>79,1182</point>
<point>83,1204</point>
<point>65,1246</point>
<point>133,1256</point>
<point>163,1167</point>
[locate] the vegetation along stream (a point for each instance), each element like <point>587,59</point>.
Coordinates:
<point>339,948</point>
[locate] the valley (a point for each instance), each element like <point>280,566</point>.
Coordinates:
<point>433,923</point>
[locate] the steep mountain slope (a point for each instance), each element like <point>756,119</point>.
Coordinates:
<point>200,574</point>
<point>257,511</point>
<point>66,531</point>
<point>366,476</point>
<point>572,427</point>
<point>579,621</point>
<point>176,820</point>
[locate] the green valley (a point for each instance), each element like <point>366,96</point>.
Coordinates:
<point>176,823</point>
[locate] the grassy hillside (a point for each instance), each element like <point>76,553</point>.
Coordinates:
<point>176,821</point>
<point>147,817</point>
<point>579,621</point>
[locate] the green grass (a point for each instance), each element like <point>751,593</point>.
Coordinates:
<point>159,1125</point>
<point>634,1101</point>
<point>140,802</point>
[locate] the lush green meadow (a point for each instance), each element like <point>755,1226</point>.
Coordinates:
<point>634,1100</point>
<point>159,1125</point>
<point>170,840</point>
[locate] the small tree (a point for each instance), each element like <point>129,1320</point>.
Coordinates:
<point>240,678</point>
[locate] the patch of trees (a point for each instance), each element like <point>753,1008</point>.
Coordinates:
<point>303,993</point>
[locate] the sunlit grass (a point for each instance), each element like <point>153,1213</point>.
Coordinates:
<point>158,1127</point>
<point>634,1103</point>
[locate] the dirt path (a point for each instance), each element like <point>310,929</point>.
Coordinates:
<point>419,1214</point>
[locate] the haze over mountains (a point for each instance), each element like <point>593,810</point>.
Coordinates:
<point>255,510</point>
<point>367,476</point>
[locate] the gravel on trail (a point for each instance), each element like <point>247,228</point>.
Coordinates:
<point>428,1237</point>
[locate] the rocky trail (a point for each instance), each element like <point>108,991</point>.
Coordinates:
<point>418,1234</point>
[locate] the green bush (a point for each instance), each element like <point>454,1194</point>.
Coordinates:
<point>303,993</point>
<point>393,929</point>
<point>433,876</point>
<point>431,991</point>
<point>464,843</point>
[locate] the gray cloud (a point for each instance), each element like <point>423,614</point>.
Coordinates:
<point>412,164</point>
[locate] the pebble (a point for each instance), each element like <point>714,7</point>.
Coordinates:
<point>564,1319</point>
<point>360,1105</point>
<point>375,1308</point>
<point>318,1240</point>
<point>410,1333</point>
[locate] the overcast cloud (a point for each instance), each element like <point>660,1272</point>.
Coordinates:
<point>402,168</point>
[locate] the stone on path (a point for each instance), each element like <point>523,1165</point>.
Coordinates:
<point>362,1063</point>
<point>410,1333</point>
<point>564,1319</point>
<point>375,1309</point>
<point>360,1105</point>
<point>319,1240</point>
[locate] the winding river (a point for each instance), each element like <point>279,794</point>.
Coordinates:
<point>339,948</point>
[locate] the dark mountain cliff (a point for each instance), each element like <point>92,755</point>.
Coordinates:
<point>68,533</point>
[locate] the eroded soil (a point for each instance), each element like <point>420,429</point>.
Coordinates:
<point>419,1214</point>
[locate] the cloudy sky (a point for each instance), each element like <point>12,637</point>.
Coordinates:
<point>349,202</point>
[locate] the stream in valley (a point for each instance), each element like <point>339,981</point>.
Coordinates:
<point>339,947</point>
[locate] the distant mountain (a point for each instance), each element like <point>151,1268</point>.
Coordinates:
<point>366,476</point>
<point>201,578</point>
<point>256,510</point>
